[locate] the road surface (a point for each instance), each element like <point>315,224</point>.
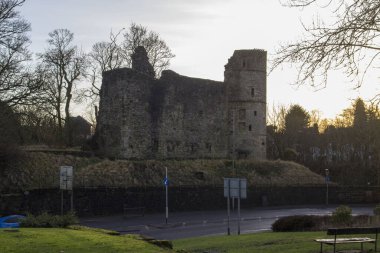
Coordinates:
<point>202,223</point>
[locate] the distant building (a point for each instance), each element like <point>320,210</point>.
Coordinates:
<point>80,130</point>
<point>176,116</point>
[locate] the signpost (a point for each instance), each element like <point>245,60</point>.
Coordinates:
<point>66,184</point>
<point>327,179</point>
<point>234,188</point>
<point>166,183</point>
<point>234,171</point>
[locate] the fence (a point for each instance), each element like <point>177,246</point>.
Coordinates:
<point>102,201</point>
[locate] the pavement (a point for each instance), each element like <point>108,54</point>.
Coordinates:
<point>205,223</point>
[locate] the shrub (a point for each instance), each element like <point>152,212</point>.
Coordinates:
<point>290,154</point>
<point>376,210</point>
<point>342,216</point>
<point>46,220</point>
<point>315,223</point>
<point>296,223</point>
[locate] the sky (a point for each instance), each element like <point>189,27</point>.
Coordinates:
<point>202,34</point>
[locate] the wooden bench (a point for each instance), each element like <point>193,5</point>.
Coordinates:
<point>136,211</point>
<point>350,231</point>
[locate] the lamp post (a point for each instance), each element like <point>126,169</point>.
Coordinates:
<point>327,186</point>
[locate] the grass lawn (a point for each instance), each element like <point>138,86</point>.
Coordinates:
<point>268,242</point>
<point>48,240</point>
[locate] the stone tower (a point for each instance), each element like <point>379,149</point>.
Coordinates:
<point>124,124</point>
<point>245,86</point>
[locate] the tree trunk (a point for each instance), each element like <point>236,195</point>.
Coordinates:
<point>60,130</point>
<point>69,137</point>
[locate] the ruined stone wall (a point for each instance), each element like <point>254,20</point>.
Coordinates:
<point>181,117</point>
<point>193,120</point>
<point>173,117</point>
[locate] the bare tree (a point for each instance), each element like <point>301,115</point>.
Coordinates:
<point>103,57</point>
<point>345,119</point>
<point>349,43</point>
<point>159,53</point>
<point>113,54</point>
<point>315,117</point>
<point>65,64</point>
<point>116,53</point>
<point>276,117</point>
<point>17,83</point>
<point>38,125</point>
<point>52,97</point>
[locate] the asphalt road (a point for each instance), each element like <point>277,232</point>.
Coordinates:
<point>202,223</point>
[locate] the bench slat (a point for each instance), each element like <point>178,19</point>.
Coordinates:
<point>352,231</point>
<point>346,240</point>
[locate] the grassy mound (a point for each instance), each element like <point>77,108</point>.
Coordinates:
<point>41,170</point>
<point>47,240</point>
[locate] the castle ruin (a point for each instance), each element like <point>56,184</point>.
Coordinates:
<point>175,116</point>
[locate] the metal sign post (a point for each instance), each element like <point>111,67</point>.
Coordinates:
<point>235,188</point>
<point>327,179</point>
<point>72,201</point>
<point>228,209</point>
<point>61,202</point>
<point>239,207</point>
<point>233,154</point>
<point>166,183</point>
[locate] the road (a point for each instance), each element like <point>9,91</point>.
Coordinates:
<point>202,223</point>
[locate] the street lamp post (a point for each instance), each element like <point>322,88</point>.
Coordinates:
<point>327,186</point>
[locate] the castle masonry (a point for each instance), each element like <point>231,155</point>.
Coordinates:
<point>141,117</point>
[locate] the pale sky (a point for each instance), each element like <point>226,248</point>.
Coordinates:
<point>202,34</point>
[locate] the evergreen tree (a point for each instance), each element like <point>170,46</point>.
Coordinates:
<point>360,115</point>
<point>296,123</point>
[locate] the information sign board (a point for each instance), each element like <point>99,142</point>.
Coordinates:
<point>235,188</point>
<point>66,178</point>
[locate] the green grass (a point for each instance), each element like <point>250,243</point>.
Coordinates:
<point>48,240</point>
<point>268,242</point>
<point>85,240</point>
